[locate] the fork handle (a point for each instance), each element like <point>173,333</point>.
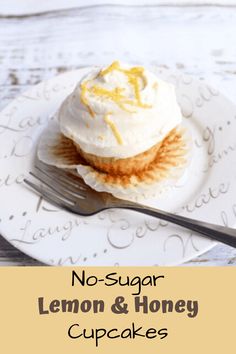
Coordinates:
<point>216,232</point>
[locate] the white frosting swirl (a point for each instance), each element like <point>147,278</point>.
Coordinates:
<point>124,127</point>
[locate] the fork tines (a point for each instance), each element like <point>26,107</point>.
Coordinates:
<point>58,186</point>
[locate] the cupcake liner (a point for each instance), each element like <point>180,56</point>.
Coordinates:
<point>57,150</point>
<point>161,175</point>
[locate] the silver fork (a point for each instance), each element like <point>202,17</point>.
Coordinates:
<point>65,190</point>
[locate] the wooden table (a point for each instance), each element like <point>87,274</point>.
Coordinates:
<point>34,46</point>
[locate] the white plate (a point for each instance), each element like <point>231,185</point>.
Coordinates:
<point>118,237</point>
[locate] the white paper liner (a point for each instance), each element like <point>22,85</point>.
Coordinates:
<point>56,150</point>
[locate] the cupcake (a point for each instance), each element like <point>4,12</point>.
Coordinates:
<point>118,116</point>
<point>121,125</point>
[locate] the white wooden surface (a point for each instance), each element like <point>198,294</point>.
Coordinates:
<point>23,7</point>
<point>38,43</point>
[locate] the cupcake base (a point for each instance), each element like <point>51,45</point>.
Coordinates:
<point>168,165</point>
<point>126,166</point>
